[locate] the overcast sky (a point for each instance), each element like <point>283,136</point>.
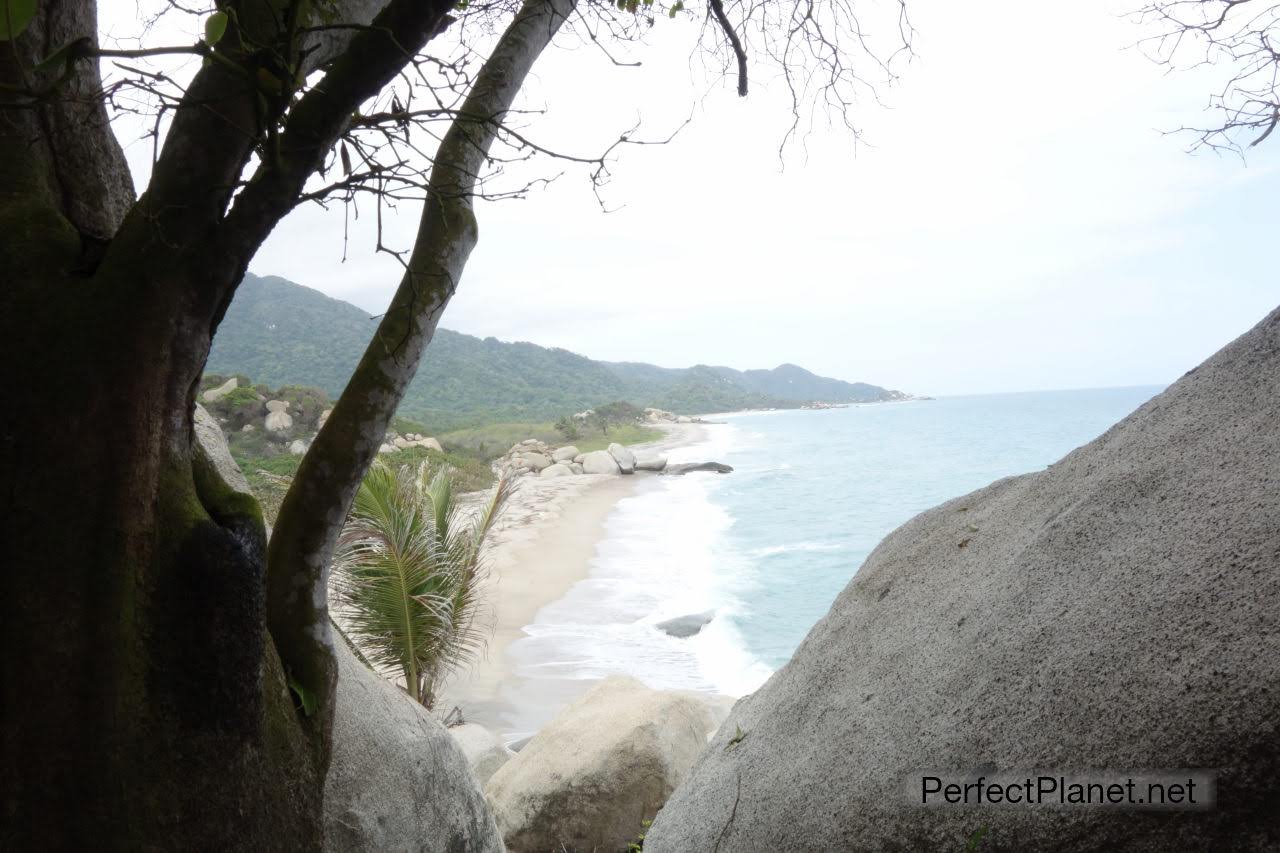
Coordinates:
<point>1016,220</point>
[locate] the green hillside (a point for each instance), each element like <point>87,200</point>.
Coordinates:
<point>282,333</point>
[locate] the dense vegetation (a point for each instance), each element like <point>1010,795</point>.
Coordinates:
<point>283,333</point>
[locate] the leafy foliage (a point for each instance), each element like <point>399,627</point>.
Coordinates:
<point>408,574</point>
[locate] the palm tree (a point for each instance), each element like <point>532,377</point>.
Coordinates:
<point>407,574</point>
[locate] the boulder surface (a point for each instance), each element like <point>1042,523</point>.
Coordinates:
<point>599,462</point>
<point>565,454</point>
<point>590,778</point>
<point>625,458</point>
<point>397,780</point>
<point>1116,611</point>
<point>485,751</point>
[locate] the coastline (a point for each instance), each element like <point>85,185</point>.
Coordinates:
<point>543,545</point>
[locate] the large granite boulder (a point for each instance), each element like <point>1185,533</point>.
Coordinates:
<point>590,778</point>
<point>559,469</point>
<point>484,750</point>
<point>210,442</point>
<point>651,463</point>
<point>1117,611</point>
<point>599,462</point>
<point>535,461</point>
<point>565,454</point>
<point>397,780</point>
<point>625,458</point>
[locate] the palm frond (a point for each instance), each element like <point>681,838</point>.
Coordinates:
<point>408,575</point>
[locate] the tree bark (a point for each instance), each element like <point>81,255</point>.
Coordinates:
<point>157,691</point>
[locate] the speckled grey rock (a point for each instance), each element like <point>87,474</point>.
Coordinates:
<point>213,444</point>
<point>686,626</point>
<point>599,462</point>
<point>625,458</point>
<point>397,780</point>
<point>590,778</point>
<point>485,751</point>
<point>1120,609</point>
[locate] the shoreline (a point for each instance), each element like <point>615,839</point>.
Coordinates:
<point>541,547</point>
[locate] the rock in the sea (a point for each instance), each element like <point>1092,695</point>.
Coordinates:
<point>565,454</point>
<point>594,774</point>
<point>599,462</point>
<point>1117,611</point>
<point>557,470</point>
<point>688,467</point>
<point>651,463</point>
<point>298,447</point>
<point>686,626</point>
<point>278,421</point>
<point>625,458</point>
<point>397,780</point>
<point>213,395</point>
<point>210,441</point>
<point>484,750</point>
<point>536,461</point>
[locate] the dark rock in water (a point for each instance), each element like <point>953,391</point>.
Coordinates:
<point>686,626</point>
<point>1119,611</point>
<point>688,467</point>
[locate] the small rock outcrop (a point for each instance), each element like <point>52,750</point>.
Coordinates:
<point>557,470</point>
<point>297,447</point>
<point>625,458</point>
<point>213,395</point>
<point>690,467</point>
<point>686,626</point>
<point>1115,611</point>
<point>590,778</point>
<point>599,462</point>
<point>484,750</point>
<point>397,780</point>
<point>278,417</point>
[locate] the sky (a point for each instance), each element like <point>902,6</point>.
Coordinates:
<point>1016,216</point>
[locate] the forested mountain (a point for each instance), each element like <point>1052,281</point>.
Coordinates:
<point>277,332</point>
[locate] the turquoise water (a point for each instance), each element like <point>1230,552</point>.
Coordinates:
<point>768,547</point>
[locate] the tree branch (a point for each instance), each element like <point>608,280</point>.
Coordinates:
<point>317,502</point>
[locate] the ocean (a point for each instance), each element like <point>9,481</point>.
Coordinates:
<point>768,547</point>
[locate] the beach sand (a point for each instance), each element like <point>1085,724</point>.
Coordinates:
<point>541,547</point>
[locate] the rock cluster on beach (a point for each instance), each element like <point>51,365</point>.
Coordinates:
<point>535,457</point>
<point>1114,612</point>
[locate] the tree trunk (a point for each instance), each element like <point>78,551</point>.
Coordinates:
<point>159,687</point>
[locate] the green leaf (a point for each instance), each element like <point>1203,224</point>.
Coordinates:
<point>14,17</point>
<point>676,9</point>
<point>305,699</point>
<point>215,27</point>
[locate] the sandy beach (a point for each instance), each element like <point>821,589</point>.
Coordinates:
<point>541,547</point>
